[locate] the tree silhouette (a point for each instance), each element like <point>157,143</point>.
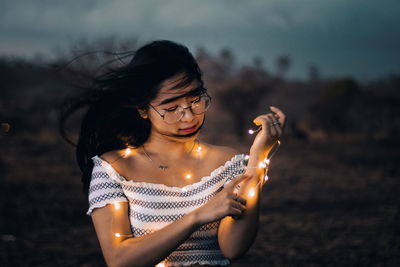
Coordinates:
<point>313,73</point>
<point>258,62</point>
<point>283,63</point>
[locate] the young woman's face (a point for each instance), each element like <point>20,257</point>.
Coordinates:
<point>169,112</point>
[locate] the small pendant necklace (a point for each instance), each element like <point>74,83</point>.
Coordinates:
<point>161,166</point>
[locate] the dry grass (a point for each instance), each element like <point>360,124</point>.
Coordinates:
<point>325,204</point>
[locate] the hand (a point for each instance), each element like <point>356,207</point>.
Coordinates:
<point>273,125</point>
<point>224,203</point>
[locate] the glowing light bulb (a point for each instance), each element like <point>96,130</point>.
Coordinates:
<point>188,176</point>
<point>246,157</point>
<point>251,192</point>
<point>128,151</point>
<point>266,161</point>
<point>251,131</point>
<point>117,235</point>
<point>5,127</point>
<point>266,178</point>
<point>199,149</point>
<point>117,206</point>
<point>161,264</point>
<point>279,142</point>
<point>262,165</point>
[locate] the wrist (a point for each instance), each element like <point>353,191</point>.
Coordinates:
<point>251,173</point>
<point>261,152</point>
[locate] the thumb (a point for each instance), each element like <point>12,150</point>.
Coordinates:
<point>275,109</point>
<point>278,113</point>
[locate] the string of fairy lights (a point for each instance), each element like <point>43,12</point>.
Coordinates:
<point>263,165</point>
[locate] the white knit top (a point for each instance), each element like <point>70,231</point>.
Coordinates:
<point>153,206</point>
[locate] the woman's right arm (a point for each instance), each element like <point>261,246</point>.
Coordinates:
<point>150,249</point>
<point>147,250</point>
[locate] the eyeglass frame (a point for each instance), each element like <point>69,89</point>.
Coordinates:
<point>204,94</point>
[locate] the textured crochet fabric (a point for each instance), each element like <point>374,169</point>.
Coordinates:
<point>153,206</point>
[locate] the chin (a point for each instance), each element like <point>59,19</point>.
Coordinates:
<point>186,137</point>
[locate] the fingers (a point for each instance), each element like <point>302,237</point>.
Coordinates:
<point>239,199</point>
<point>230,186</point>
<point>234,205</point>
<point>275,126</point>
<point>276,110</point>
<point>236,209</point>
<point>229,189</point>
<point>263,120</point>
<point>235,213</point>
<point>270,124</point>
<point>238,205</point>
<point>280,115</point>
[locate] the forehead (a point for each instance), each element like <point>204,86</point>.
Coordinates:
<point>174,87</point>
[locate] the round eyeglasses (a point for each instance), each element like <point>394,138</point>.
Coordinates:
<point>197,106</point>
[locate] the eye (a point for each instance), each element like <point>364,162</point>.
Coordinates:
<point>196,100</point>
<point>171,109</point>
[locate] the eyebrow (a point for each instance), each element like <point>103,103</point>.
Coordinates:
<point>196,91</point>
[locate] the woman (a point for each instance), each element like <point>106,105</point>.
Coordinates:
<point>157,195</point>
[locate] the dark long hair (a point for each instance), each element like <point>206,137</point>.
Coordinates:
<point>112,120</point>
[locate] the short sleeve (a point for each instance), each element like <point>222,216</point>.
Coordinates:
<point>102,189</point>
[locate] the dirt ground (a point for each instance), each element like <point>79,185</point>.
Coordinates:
<point>326,204</point>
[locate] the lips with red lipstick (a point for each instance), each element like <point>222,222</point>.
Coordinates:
<point>189,132</point>
<point>189,129</point>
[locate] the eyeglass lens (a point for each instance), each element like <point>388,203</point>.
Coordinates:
<point>196,108</point>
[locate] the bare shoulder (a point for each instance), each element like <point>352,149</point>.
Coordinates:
<point>117,157</point>
<point>223,153</point>
<point>110,156</point>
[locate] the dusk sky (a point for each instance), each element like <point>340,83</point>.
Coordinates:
<point>360,38</point>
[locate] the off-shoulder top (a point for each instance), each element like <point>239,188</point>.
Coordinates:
<point>153,206</point>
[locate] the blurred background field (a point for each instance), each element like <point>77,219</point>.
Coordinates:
<point>332,66</point>
<point>332,198</point>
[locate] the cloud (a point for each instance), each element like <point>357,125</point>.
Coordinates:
<point>323,32</point>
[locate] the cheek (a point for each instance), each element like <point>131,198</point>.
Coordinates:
<point>201,117</point>
<point>158,123</point>
<point>155,120</point>
<point>154,117</point>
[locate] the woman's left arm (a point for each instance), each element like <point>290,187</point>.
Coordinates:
<point>236,235</point>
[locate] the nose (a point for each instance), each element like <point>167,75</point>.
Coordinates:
<point>187,114</point>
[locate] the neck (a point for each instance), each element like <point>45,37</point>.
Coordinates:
<point>167,148</point>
